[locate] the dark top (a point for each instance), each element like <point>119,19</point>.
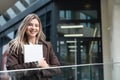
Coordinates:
<point>16,61</point>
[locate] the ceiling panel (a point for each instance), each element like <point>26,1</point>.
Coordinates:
<point>117,1</point>
<point>5,4</point>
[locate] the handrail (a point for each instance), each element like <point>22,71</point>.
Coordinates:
<point>67,66</point>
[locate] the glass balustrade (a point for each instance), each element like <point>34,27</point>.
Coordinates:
<point>69,72</point>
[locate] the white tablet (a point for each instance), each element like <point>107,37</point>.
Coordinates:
<point>32,53</point>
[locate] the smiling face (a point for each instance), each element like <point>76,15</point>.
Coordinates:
<point>33,28</point>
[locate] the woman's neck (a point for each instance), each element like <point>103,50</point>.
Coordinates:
<point>32,40</point>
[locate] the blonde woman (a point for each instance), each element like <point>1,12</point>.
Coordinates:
<point>30,32</point>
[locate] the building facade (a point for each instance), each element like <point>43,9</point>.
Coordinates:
<point>79,31</point>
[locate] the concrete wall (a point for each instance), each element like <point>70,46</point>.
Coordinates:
<point>115,49</point>
<point>111,38</point>
<point>106,37</point>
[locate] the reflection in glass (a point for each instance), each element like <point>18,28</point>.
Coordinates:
<point>71,72</point>
<point>90,52</point>
<point>85,52</point>
<point>79,30</point>
<point>67,51</point>
<point>82,15</point>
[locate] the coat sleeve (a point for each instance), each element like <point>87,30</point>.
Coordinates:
<point>15,61</point>
<point>12,63</point>
<point>53,62</point>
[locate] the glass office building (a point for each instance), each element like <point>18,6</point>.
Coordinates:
<point>76,29</point>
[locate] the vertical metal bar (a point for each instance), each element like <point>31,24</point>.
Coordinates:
<point>75,59</point>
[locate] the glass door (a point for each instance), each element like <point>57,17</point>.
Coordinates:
<point>67,49</point>
<point>89,55</point>
<point>81,51</point>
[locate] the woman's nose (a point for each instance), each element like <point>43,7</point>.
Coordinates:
<point>33,27</point>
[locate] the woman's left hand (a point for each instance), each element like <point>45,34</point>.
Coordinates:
<point>42,63</point>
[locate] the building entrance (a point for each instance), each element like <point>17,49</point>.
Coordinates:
<point>82,52</point>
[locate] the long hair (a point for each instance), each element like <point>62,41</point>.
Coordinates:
<point>21,37</point>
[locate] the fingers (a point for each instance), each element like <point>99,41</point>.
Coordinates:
<point>43,63</point>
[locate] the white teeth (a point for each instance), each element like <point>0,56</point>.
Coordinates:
<point>32,31</point>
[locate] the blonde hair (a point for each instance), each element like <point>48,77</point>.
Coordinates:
<point>21,37</point>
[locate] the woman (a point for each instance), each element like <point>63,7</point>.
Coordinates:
<point>30,32</point>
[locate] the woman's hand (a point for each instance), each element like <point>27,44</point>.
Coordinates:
<point>42,63</point>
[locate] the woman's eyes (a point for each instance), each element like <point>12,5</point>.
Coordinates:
<point>36,25</point>
<point>30,24</point>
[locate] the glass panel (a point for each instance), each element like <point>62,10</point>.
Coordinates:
<point>43,20</point>
<point>18,7</point>
<point>72,72</point>
<point>67,50</point>
<point>11,35</point>
<point>90,52</point>
<point>6,16</point>
<point>48,18</point>
<point>78,15</point>
<point>73,51</point>
<point>30,1</point>
<point>7,38</point>
<point>2,20</point>
<point>11,13</point>
<point>47,32</point>
<point>79,30</point>
<point>46,23</point>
